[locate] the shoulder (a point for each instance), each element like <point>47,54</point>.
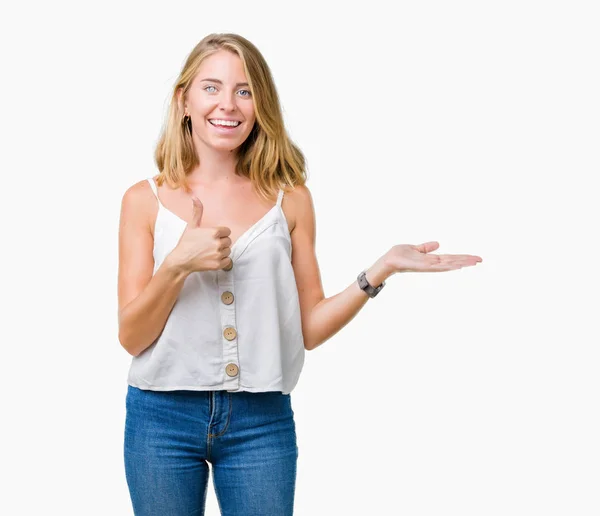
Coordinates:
<point>301,194</point>
<point>139,191</point>
<point>301,205</point>
<point>139,202</point>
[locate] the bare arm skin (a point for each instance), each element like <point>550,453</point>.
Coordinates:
<point>145,301</point>
<point>322,317</point>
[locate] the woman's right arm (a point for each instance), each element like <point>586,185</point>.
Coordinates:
<point>145,301</point>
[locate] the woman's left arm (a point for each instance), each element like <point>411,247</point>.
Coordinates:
<point>323,317</point>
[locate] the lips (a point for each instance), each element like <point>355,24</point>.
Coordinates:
<point>225,129</point>
<point>226,126</point>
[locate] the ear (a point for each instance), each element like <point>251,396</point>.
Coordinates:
<point>180,99</point>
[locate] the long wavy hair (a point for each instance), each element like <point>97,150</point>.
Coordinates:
<point>267,157</point>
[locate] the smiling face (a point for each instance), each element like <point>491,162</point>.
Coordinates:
<point>220,104</point>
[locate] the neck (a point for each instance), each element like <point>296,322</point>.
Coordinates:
<point>216,167</point>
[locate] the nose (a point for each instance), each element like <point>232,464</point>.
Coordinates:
<point>227,102</point>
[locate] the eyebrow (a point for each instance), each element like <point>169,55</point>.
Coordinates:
<point>221,82</point>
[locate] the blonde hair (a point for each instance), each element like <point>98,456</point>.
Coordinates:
<point>267,157</point>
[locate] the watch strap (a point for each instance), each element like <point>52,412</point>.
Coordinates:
<point>364,284</point>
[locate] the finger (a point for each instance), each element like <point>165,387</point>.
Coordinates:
<point>462,258</point>
<point>225,242</point>
<point>427,247</point>
<point>226,262</point>
<point>223,231</point>
<point>451,261</point>
<point>197,213</point>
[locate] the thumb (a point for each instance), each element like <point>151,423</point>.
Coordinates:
<point>427,247</point>
<point>197,213</point>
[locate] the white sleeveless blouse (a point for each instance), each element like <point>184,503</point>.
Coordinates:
<point>234,330</point>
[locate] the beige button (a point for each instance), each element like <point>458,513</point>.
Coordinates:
<point>227,297</point>
<point>229,267</point>
<point>229,333</point>
<point>232,370</point>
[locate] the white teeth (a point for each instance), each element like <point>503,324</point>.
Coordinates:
<point>230,123</point>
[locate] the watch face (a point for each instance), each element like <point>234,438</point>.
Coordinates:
<point>362,281</point>
<point>364,284</point>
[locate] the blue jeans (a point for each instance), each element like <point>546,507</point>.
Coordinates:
<point>249,438</point>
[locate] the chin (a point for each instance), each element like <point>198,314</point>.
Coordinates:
<point>226,146</point>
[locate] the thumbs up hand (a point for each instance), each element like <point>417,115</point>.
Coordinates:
<point>202,249</point>
<point>197,213</point>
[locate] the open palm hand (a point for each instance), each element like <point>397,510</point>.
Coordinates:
<point>416,258</point>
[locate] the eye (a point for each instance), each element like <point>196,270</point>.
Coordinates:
<point>209,87</point>
<point>248,92</point>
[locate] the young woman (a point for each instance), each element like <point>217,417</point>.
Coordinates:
<point>220,294</point>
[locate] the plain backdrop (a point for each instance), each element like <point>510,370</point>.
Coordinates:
<point>473,392</point>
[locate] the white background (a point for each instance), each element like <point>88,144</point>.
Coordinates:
<point>476,124</point>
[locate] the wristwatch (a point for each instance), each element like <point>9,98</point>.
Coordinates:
<point>364,284</point>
